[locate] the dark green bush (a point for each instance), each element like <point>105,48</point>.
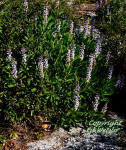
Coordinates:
<point>53,94</point>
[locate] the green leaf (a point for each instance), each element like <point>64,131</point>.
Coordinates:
<point>69,80</point>
<point>29,81</point>
<point>61,13</point>
<point>50,18</point>
<point>32,111</point>
<point>33,90</point>
<point>10,85</point>
<point>51,99</point>
<point>24,77</point>
<point>50,25</point>
<point>56,103</point>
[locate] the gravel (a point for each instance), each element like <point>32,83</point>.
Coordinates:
<point>77,139</point>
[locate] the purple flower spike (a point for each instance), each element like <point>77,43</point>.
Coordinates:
<point>97,3</point>
<point>26,5</point>
<point>101,2</point>
<point>71,27</point>
<point>36,18</point>
<point>45,15</point>
<point>77,88</point>
<point>122,4</point>
<point>14,71</point>
<point>76,102</point>
<point>73,51</point>
<point>46,63</point>
<point>86,28</point>
<point>77,97</point>
<point>110,72</point>
<point>92,24</point>
<point>120,81</point>
<point>82,51</point>
<point>41,67</point>
<point>96,103</point>
<point>108,57</point>
<point>23,50</point>
<point>59,26</point>
<point>108,9</point>
<point>98,46</point>
<point>66,18</point>
<point>90,67</point>
<point>104,109</point>
<point>57,3</point>
<point>68,56</point>
<point>9,53</point>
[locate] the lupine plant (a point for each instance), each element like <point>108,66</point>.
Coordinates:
<point>52,75</point>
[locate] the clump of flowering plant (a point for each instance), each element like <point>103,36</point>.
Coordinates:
<point>46,84</point>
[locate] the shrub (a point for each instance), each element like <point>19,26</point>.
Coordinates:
<point>42,70</point>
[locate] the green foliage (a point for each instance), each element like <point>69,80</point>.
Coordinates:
<point>114,27</point>
<point>53,95</point>
<point>2,140</point>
